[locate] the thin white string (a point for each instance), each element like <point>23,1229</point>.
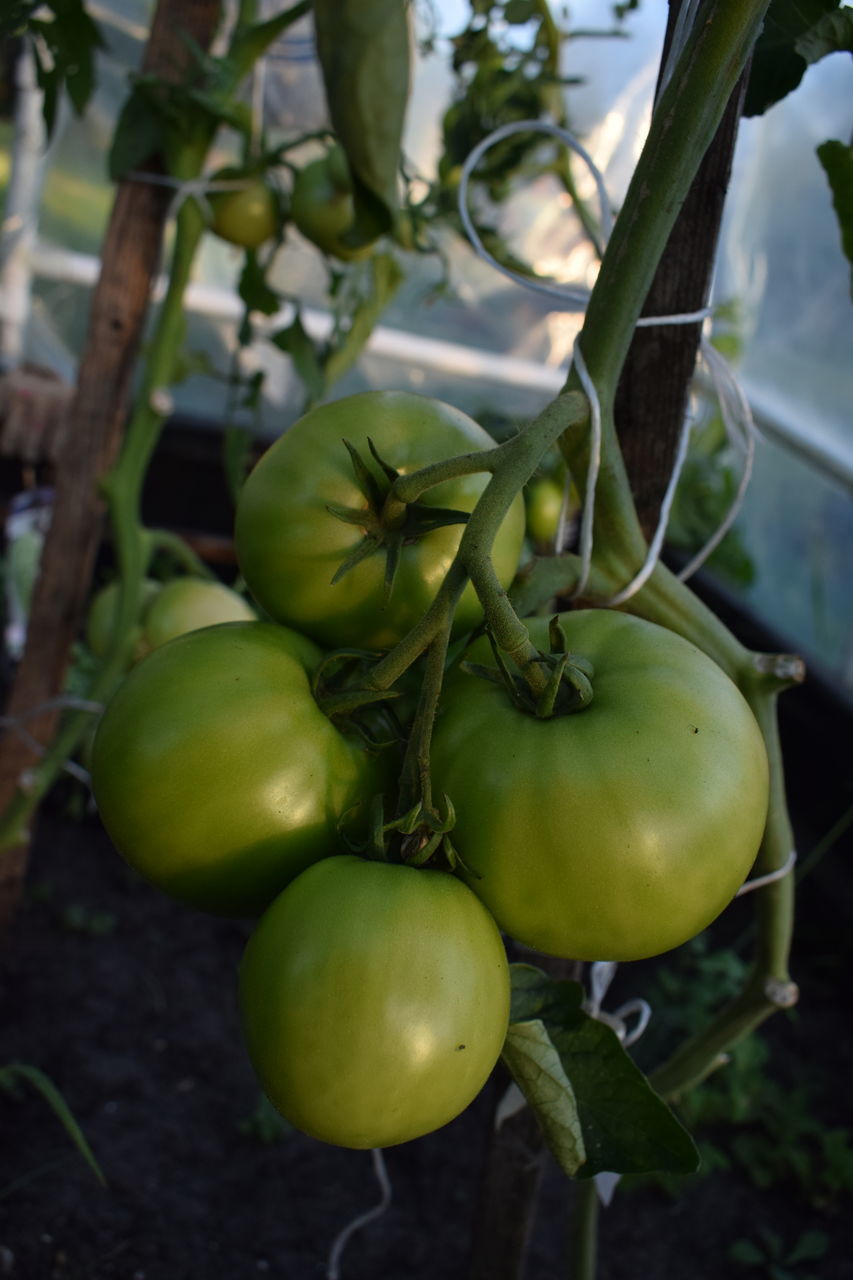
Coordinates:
<point>741,432</point>
<point>652,556</point>
<point>573,297</point>
<point>771,877</point>
<point>17,725</point>
<point>333,1268</point>
<point>735,410</point>
<point>588,511</point>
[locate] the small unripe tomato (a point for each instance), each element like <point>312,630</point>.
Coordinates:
<point>248,216</point>
<point>186,604</point>
<point>321,206</point>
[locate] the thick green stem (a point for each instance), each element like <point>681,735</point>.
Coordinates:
<point>583,1240</point>
<point>769,987</point>
<point>415,780</point>
<point>518,459</point>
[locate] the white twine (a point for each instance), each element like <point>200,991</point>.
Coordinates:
<point>17,725</point>
<point>771,877</point>
<point>333,1268</point>
<point>737,416</point>
<point>184,188</point>
<point>601,975</point>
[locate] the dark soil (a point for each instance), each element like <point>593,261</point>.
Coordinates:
<point>127,1001</point>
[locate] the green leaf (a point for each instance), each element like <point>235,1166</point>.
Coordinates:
<point>138,136</point>
<point>832,34</point>
<point>250,43</point>
<point>777,66</point>
<point>385,278</point>
<point>810,1246</point>
<point>837,160</point>
<point>747,1253</point>
<point>537,1070</point>
<point>51,1095</point>
<point>363,48</point>
<point>296,343</point>
<point>72,38</point>
<point>626,1127</point>
<point>253,287</point>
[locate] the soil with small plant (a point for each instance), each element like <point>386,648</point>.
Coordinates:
<point>127,1002</point>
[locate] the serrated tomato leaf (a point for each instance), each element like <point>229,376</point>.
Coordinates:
<point>535,1065</point>
<point>626,1127</point>
<point>777,64</point>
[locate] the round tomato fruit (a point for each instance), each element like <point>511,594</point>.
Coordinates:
<point>618,831</point>
<point>186,604</point>
<point>101,617</point>
<point>375,1001</point>
<point>321,206</point>
<point>290,544</point>
<point>248,216</point>
<point>215,772</point>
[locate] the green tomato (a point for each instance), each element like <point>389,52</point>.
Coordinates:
<point>321,206</point>
<point>215,772</point>
<point>544,504</point>
<point>247,216</point>
<point>102,613</point>
<point>290,546</point>
<point>186,604</point>
<point>621,830</point>
<point>375,1001</point>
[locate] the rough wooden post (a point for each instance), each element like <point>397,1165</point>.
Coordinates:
<point>651,399</point>
<point>130,259</point>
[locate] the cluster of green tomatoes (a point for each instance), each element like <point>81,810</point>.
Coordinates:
<point>320,205</point>
<point>375,993</point>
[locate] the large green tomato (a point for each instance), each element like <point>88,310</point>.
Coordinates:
<point>215,772</point>
<point>621,830</point>
<point>186,604</point>
<point>321,206</point>
<point>289,545</point>
<point>375,1001</point>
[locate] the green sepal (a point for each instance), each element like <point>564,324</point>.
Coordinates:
<point>365,478</point>
<point>368,545</point>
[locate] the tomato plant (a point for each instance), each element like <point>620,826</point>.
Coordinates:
<point>622,829</point>
<point>375,1001</point>
<point>290,545</point>
<point>321,206</point>
<point>247,216</point>
<point>215,772</point>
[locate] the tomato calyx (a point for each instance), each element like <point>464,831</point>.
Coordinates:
<point>417,838</point>
<point>569,687</point>
<point>340,691</point>
<point>388,525</point>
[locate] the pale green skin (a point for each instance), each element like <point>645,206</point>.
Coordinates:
<point>216,774</point>
<point>624,829</point>
<point>186,604</point>
<point>289,546</point>
<point>375,1001</point>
